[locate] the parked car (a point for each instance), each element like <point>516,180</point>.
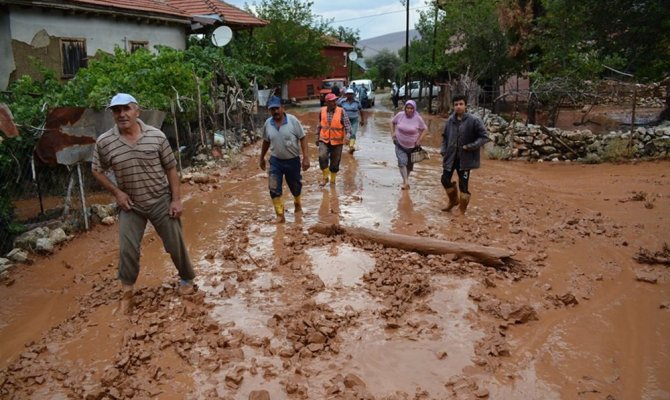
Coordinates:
<point>366,83</point>
<point>414,92</point>
<point>327,87</point>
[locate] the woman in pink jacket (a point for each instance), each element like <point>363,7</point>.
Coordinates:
<point>407,129</point>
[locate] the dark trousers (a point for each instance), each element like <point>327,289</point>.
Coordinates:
<point>330,156</point>
<point>131,230</point>
<point>280,169</point>
<point>463,179</point>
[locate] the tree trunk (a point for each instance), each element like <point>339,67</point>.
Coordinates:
<point>491,256</point>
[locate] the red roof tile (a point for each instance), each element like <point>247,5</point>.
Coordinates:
<point>230,15</point>
<point>152,6</point>
<point>333,42</point>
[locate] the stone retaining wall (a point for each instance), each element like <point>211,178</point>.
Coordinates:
<point>535,142</point>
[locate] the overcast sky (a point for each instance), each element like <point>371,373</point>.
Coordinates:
<point>371,17</point>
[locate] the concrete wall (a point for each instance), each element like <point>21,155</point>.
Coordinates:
<point>6,57</point>
<point>39,29</point>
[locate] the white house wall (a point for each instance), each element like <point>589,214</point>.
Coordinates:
<point>100,34</point>
<point>33,33</point>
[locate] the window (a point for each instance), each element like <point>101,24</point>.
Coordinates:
<point>73,56</point>
<point>310,90</point>
<point>136,45</point>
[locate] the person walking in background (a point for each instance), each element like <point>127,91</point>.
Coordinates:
<point>355,89</point>
<point>363,96</point>
<point>284,136</point>
<point>464,134</point>
<point>332,130</point>
<point>336,90</point>
<point>395,95</point>
<point>146,189</point>
<point>408,129</point>
<point>353,108</point>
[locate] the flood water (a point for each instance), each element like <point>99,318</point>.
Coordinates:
<point>408,325</point>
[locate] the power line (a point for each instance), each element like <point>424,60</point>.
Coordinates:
<point>377,15</point>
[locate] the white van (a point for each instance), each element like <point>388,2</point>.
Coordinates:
<point>371,90</point>
<point>414,93</point>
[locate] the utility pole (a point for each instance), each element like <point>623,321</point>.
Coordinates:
<point>408,90</point>
<point>430,90</point>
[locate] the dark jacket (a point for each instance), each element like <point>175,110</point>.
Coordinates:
<point>470,133</point>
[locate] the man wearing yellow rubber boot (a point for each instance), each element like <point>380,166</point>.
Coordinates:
<point>284,136</point>
<point>354,111</point>
<point>332,130</point>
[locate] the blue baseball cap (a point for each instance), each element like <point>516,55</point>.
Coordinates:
<point>274,102</point>
<point>121,99</point>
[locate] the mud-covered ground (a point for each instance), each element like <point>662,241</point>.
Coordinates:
<point>301,315</point>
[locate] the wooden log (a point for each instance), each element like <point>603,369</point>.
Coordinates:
<point>491,256</point>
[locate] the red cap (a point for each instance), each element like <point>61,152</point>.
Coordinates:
<point>331,97</point>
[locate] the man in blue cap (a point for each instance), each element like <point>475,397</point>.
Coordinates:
<point>146,189</point>
<point>353,108</point>
<point>284,136</point>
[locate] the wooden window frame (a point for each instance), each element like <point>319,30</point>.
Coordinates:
<point>83,62</point>
<point>137,44</point>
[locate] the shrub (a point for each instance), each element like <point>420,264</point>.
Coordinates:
<point>498,153</point>
<point>619,150</point>
<point>590,158</point>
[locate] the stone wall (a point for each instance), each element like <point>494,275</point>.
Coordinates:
<point>535,142</point>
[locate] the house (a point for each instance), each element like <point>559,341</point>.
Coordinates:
<point>337,53</point>
<point>63,34</point>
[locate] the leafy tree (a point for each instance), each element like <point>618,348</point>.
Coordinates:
<point>293,40</point>
<point>631,35</point>
<point>474,40</point>
<point>346,35</point>
<point>386,64</point>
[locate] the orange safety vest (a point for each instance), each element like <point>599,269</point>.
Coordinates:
<point>332,132</point>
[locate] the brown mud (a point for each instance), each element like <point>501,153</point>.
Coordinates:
<point>307,316</point>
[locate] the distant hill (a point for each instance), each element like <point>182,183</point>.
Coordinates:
<point>391,41</point>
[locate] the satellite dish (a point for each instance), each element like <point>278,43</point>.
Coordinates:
<point>222,36</point>
<point>353,56</point>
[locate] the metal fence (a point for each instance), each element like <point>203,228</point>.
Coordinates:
<point>52,180</point>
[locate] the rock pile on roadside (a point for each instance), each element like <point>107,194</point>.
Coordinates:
<point>534,142</point>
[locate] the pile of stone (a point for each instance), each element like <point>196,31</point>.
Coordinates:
<point>621,93</point>
<point>535,142</point>
<point>40,240</point>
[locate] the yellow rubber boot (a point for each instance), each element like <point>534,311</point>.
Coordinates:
<point>333,176</point>
<point>297,204</point>
<point>352,145</point>
<point>325,176</point>
<point>278,203</point>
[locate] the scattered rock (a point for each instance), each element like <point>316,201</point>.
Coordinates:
<point>259,395</point>
<point>18,255</point>
<point>44,246</point>
<point>646,276</point>
<point>58,236</point>
<point>353,381</point>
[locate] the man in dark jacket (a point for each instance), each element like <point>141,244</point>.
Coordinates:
<point>463,135</point>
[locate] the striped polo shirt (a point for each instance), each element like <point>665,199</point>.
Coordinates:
<point>139,168</point>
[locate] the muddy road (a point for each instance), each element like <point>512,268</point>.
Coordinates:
<point>306,316</point>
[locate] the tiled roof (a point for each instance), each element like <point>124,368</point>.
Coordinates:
<point>333,42</point>
<point>230,15</point>
<point>151,6</point>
